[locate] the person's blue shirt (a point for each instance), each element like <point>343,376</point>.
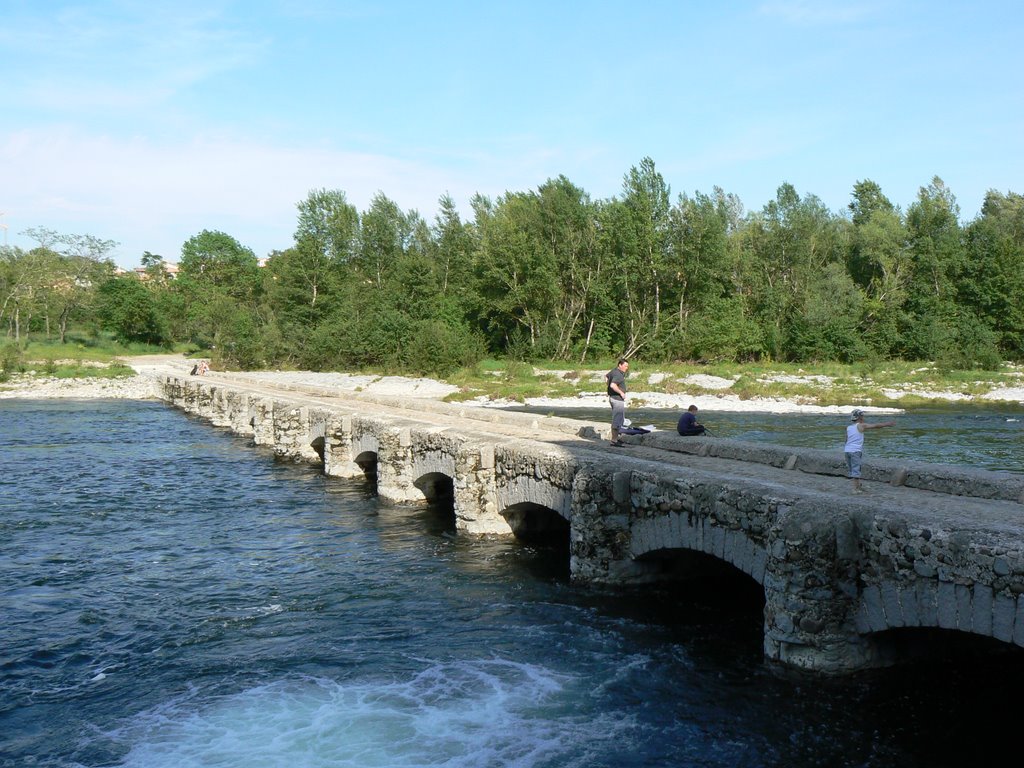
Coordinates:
<point>688,424</point>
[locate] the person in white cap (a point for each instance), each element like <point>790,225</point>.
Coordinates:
<point>854,449</point>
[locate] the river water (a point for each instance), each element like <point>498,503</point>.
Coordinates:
<point>170,595</point>
<point>982,436</point>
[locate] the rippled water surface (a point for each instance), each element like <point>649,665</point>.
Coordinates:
<point>983,436</point>
<point>172,596</point>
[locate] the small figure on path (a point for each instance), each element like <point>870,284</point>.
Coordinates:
<point>688,425</point>
<point>616,380</point>
<point>854,449</point>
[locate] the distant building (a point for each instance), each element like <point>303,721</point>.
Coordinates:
<point>169,267</point>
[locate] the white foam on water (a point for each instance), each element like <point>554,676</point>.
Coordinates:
<point>458,714</point>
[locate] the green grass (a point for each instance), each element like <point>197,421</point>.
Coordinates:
<point>77,371</point>
<point>82,356</point>
<point>83,346</point>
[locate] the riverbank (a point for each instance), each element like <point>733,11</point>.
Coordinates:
<point>29,387</point>
<point>653,390</point>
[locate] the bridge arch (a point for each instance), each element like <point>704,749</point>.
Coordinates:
<point>367,462</point>
<point>433,474</point>
<point>527,489</point>
<point>676,532</point>
<point>690,565</point>
<point>318,446</point>
<point>972,609</point>
<point>364,450</point>
<point>536,523</point>
<point>436,487</point>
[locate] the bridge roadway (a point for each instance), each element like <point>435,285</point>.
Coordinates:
<point>839,571</point>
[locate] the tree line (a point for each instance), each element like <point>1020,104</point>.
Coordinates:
<point>553,274</point>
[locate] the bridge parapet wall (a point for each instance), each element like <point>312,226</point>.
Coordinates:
<point>941,478</point>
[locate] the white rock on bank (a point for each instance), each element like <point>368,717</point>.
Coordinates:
<point>707,381</point>
<point>1008,394</point>
<point>662,401</point>
<point>43,388</point>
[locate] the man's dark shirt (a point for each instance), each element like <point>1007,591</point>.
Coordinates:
<point>688,424</point>
<point>618,377</point>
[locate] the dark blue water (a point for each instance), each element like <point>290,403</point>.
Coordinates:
<point>172,596</point>
<point>982,436</point>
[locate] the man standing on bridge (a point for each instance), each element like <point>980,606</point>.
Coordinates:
<point>616,380</point>
<point>854,449</point>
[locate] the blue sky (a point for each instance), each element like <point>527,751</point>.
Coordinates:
<point>147,122</point>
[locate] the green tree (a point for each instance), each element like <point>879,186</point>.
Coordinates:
<point>17,285</point>
<point>721,331</point>
<point>992,285</point>
<point>637,232</point>
<point>783,249</point>
<point>218,281</point>
<point>568,237</point>
<point>700,258</point>
<point>385,234</point>
<point>155,269</point>
<point>880,264</point>
<point>868,200</point>
<point>455,243</point>
<point>936,252</point>
<point>70,274</point>
<point>517,280</point>
<point>127,308</point>
<point>826,327</point>
<point>326,239</point>
<point>213,259</point>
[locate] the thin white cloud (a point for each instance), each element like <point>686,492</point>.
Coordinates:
<point>96,58</point>
<point>154,196</point>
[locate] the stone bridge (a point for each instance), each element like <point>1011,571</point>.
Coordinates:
<point>931,547</point>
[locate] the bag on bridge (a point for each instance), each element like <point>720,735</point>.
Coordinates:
<point>636,430</point>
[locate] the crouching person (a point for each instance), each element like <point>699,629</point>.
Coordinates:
<point>688,425</point>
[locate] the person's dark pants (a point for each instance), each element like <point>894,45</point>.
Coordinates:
<point>692,432</point>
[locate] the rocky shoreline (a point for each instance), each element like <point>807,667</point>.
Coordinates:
<point>142,386</point>
<point>26,387</point>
